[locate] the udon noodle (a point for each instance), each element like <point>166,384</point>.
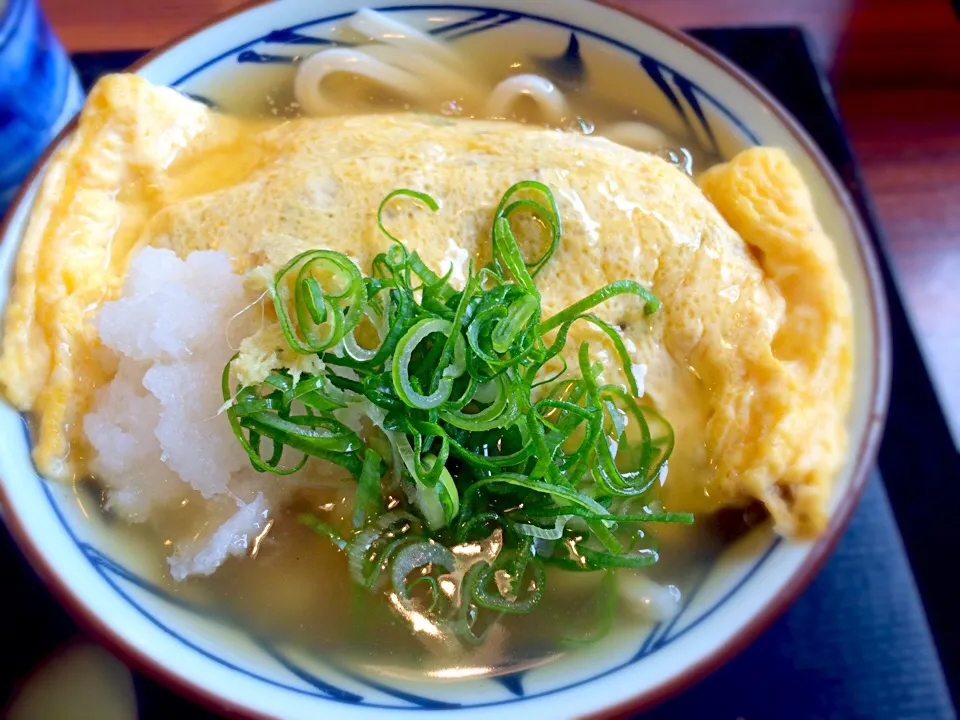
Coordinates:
<point>417,66</point>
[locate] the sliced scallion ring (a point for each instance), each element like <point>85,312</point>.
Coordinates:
<point>473,432</point>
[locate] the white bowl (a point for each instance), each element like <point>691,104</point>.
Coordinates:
<point>107,584</point>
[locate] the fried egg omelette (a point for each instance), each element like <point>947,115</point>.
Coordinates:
<point>750,356</point>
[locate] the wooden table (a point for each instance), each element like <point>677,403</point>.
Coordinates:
<point>895,66</point>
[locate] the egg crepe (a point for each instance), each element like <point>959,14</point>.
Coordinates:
<point>749,358</point>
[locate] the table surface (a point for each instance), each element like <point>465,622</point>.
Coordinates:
<point>895,67</point>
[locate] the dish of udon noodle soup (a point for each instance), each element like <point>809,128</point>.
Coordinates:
<point>437,368</point>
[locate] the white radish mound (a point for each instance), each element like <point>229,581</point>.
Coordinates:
<point>156,428</point>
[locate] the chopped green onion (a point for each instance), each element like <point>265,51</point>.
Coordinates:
<point>606,600</point>
<point>321,528</point>
<point>620,287</point>
<point>336,310</point>
<point>521,594</point>
<point>419,556</point>
<point>368,502</point>
<point>551,216</point>
<point>404,356</point>
<point>477,433</point>
<point>439,503</point>
<point>403,192</point>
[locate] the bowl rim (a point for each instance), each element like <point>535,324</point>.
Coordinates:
<point>823,547</point>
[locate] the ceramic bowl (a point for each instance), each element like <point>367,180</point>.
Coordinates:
<point>687,87</point>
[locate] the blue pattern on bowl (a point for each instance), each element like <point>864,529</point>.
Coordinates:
<point>39,91</point>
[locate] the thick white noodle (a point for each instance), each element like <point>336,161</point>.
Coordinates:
<point>406,60</point>
<point>415,65</point>
<point>315,69</point>
<point>441,78</point>
<point>544,93</point>
<point>636,135</point>
<point>382,28</point>
<point>646,597</point>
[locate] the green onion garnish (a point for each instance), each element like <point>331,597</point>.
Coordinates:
<point>469,434</point>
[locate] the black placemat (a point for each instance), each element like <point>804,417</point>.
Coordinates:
<point>857,644</point>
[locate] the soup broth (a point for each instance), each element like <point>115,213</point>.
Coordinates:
<point>295,590</point>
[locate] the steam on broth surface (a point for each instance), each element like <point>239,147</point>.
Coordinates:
<point>645,349</point>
